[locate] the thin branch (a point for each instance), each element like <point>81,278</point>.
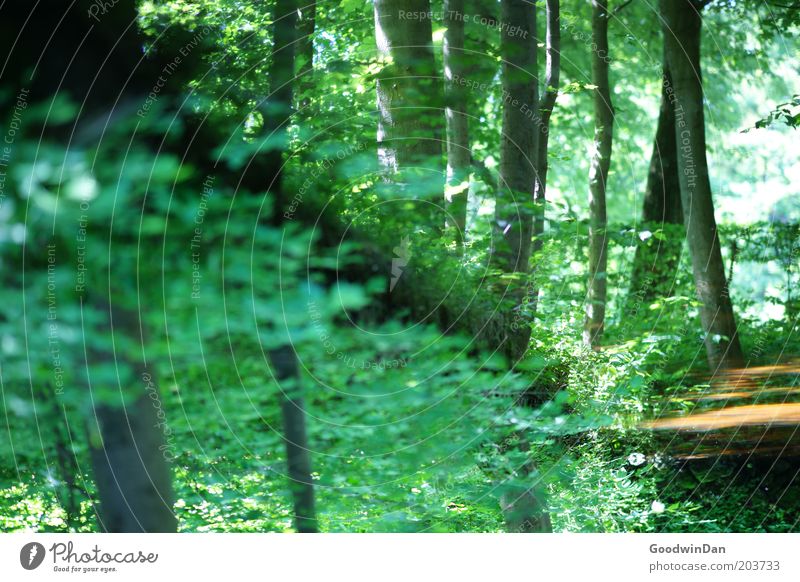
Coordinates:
<point>619,8</point>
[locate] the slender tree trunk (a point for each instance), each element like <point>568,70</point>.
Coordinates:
<point>283,358</point>
<point>70,492</point>
<point>598,177</point>
<point>682,25</point>
<point>278,106</point>
<point>523,506</point>
<point>410,106</point>
<point>307,24</point>
<point>654,268</point>
<point>513,225</point>
<point>548,103</point>
<point>458,150</point>
<point>284,361</point>
<point>662,201</point>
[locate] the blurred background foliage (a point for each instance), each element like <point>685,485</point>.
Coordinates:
<point>411,428</point>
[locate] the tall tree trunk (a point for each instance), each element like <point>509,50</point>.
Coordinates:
<point>513,225</point>
<point>548,103</point>
<point>128,450</point>
<point>458,150</point>
<point>283,358</point>
<point>410,105</point>
<point>549,96</point>
<point>682,25</point>
<point>284,361</point>
<point>654,268</point>
<point>598,177</point>
<point>307,24</point>
<point>278,106</point>
<point>523,505</point>
<point>130,470</point>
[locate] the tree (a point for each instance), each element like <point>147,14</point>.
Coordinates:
<point>126,436</point>
<point>307,24</point>
<point>277,107</point>
<point>284,361</point>
<point>661,209</point>
<point>283,357</point>
<point>513,220</point>
<point>115,405</point>
<point>598,176</point>
<point>523,505</point>
<point>410,107</point>
<point>130,472</point>
<point>682,21</point>
<point>458,148</point>
<point>548,103</point>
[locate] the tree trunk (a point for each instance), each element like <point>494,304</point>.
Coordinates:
<point>549,96</point>
<point>524,511</point>
<point>458,150</point>
<point>277,107</point>
<point>128,449</point>
<point>305,49</point>
<point>513,227</point>
<point>409,126</point>
<point>410,106</point>
<point>130,468</point>
<point>654,268</point>
<point>548,103</point>
<point>284,361</point>
<point>682,24</point>
<point>598,177</point>
<point>283,358</point>
<point>524,507</point>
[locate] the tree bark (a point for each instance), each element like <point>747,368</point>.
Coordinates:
<point>410,106</point>
<point>513,224</point>
<point>598,177</point>
<point>128,449</point>
<point>524,508</point>
<point>682,23</point>
<point>283,357</point>
<point>458,150</point>
<point>130,469</point>
<point>278,106</point>
<point>284,361</point>
<point>307,24</point>
<point>654,268</point>
<point>548,103</point>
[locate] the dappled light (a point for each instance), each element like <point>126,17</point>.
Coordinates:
<point>385,266</point>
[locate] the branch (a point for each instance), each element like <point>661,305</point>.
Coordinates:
<point>483,173</point>
<point>795,6</point>
<point>619,8</point>
<point>553,55</point>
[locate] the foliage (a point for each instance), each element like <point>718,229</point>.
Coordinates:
<point>417,421</point>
